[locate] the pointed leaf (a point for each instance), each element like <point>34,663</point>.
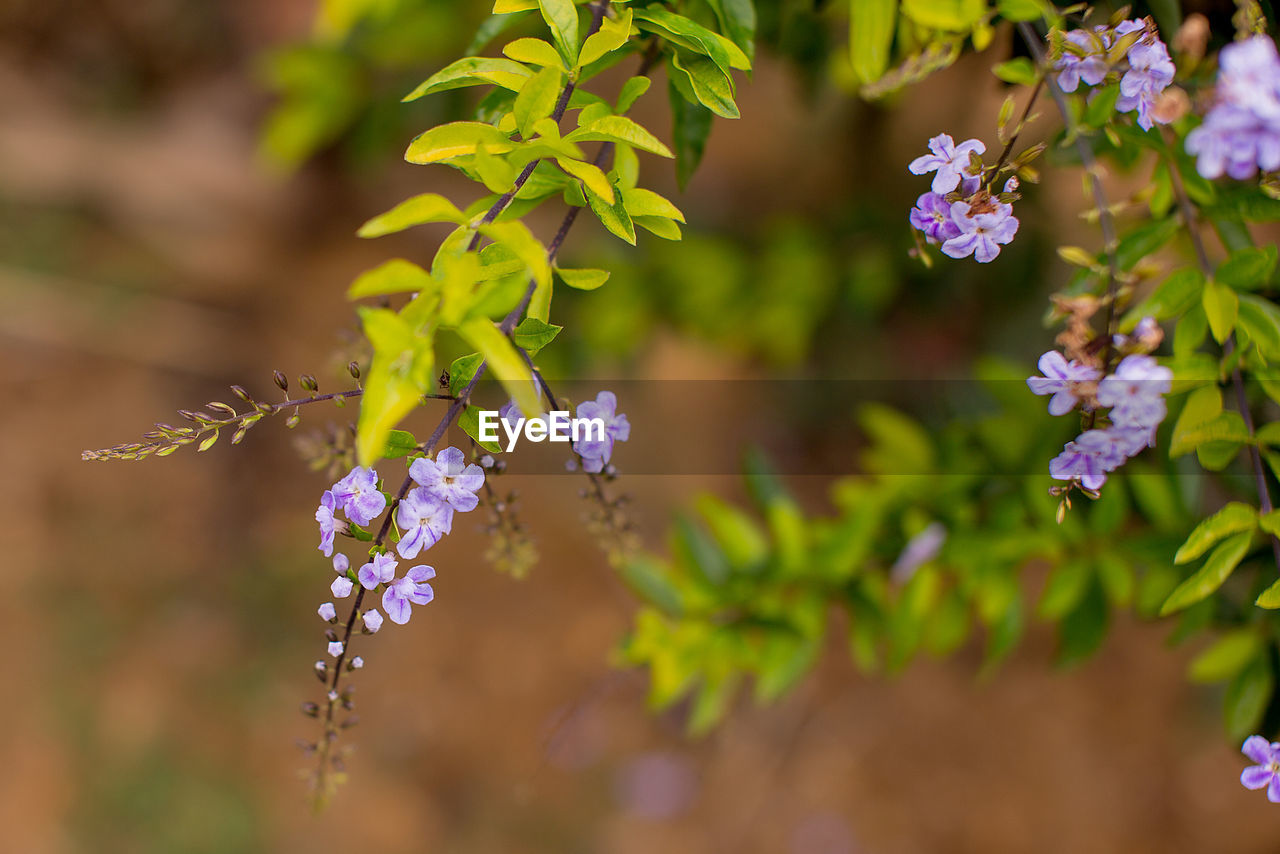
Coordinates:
<point>396,276</point>
<point>428,207</point>
<point>619,129</point>
<point>506,364</point>
<point>1231,519</point>
<point>473,71</point>
<point>1217,568</point>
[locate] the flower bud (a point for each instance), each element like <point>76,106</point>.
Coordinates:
<point>280,380</point>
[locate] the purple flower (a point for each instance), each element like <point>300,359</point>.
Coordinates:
<point>1060,380</point>
<point>1135,392</point>
<point>423,519</point>
<point>596,447</point>
<point>950,161</point>
<point>449,478</point>
<point>1090,65</point>
<point>932,215</point>
<point>380,570</point>
<point>1241,133</point>
<point>341,587</point>
<point>1150,72</point>
<point>920,549</point>
<point>359,496</point>
<point>328,525</point>
<point>412,589</point>
<point>335,648</point>
<point>357,663</point>
<point>327,612</point>
<point>510,413</point>
<point>1087,458</point>
<point>340,563</point>
<point>983,226</point>
<point>372,620</point>
<point>1267,772</point>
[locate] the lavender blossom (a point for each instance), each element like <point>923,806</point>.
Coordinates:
<point>1150,72</point>
<point>449,478</point>
<point>1241,132</point>
<point>372,620</point>
<point>596,451</point>
<point>920,549</point>
<point>984,225</point>
<point>335,648</point>
<point>1266,774</point>
<point>341,587</point>
<point>1062,380</point>
<point>948,160</point>
<point>1087,459</point>
<point>359,496</point>
<point>1090,65</point>
<point>327,612</point>
<point>1135,392</point>
<point>380,570</point>
<point>328,525</point>
<point>932,215</point>
<point>423,519</point>
<point>413,589</point>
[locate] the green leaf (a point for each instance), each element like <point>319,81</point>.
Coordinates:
<point>536,52</point>
<point>457,139</point>
<point>507,7</point>
<point>648,578</point>
<point>1021,10</point>
<point>690,127</point>
<point>1221,306</point>
<point>583,280</point>
<point>737,21</point>
<point>505,363</point>
<point>957,16</point>
<point>532,334</point>
<point>1260,319</point>
<point>1247,696</point>
<point>1064,589</point>
<point>517,237</point>
<point>1202,406</point>
<point>693,38</point>
<point>612,35</point>
<point>1234,518</point>
<point>631,90</point>
<point>537,99</point>
<point>589,174</point>
<point>1248,269</point>
<point>737,534</point>
<point>871,25</point>
<point>641,202</point>
<point>1226,657</point>
<point>613,216</point>
<point>1225,427</point>
<point>428,207</point>
<point>1081,632</point>
<point>1270,522</point>
<point>400,443</point>
<point>1174,296</point>
<point>462,371</point>
<point>658,225</point>
<point>1270,598</point>
<point>469,421</point>
<point>1101,106</point>
<point>619,129</point>
<point>1221,562</point>
<point>1020,71</point>
<point>399,374</point>
<point>562,18</point>
<point>396,276</point>
<point>709,84</point>
<point>473,71</point>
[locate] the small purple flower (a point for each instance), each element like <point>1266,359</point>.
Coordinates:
<point>359,496</point>
<point>950,161</point>
<point>372,620</point>
<point>1135,392</point>
<point>328,525</point>
<point>981,232</point>
<point>510,413</point>
<point>341,587</point>
<point>920,549</point>
<point>1150,72</point>
<point>327,612</point>
<point>449,478</point>
<point>423,519</point>
<point>335,648</point>
<point>380,570</point>
<point>1087,458</point>
<point>932,215</point>
<point>1089,66</point>
<point>1266,774</point>
<point>340,563</point>
<point>1060,380</point>
<point>594,448</point>
<point>1241,133</point>
<point>357,663</point>
<point>412,589</point>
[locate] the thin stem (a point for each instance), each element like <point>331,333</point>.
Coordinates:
<point>1022,123</point>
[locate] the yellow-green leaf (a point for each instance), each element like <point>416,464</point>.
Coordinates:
<point>537,99</point>
<point>506,364</point>
<point>590,175</point>
<point>619,129</point>
<point>1202,406</point>
<point>583,280</point>
<point>457,139</point>
<point>1226,657</point>
<point>428,207</point>
<point>562,18</point>
<point>534,51</point>
<point>1231,519</point>
<point>612,35</point>
<point>473,71</point>
<point>400,373</point>
<point>1221,305</point>
<point>711,86</point>
<point>396,276</point>
<point>871,25</point>
<point>641,202</point>
<point>1221,562</point>
<point>613,216</point>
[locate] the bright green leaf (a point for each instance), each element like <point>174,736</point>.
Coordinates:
<point>534,51</point>
<point>428,207</point>
<point>506,364</point>
<point>620,129</point>
<point>562,17</point>
<point>396,276</point>
<point>1234,518</point>
<point>1221,306</point>
<point>583,280</point>
<point>537,99</point>
<point>1221,562</point>
<point>456,139</point>
<point>532,334</point>
<point>871,25</point>
<point>473,71</point>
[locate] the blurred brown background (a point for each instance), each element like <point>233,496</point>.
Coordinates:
<point>161,615</point>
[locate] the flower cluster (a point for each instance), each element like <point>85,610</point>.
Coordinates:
<point>1266,774</point>
<point>357,496</point>
<point>1133,394</point>
<point>595,451</point>
<point>1148,69</point>
<point>958,212</point>
<point>1241,132</point>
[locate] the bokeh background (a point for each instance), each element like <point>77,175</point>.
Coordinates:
<point>179,188</point>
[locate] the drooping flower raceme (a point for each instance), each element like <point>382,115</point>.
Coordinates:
<point>359,496</point>
<point>423,519</point>
<point>413,589</point>
<point>449,478</point>
<point>1266,774</point>
<point>949,161</point>
<point>1241,132</point>
<point>596,450</point>
<point>985,224</point>
<point>1062,379</point>
<point>1147,73</point>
